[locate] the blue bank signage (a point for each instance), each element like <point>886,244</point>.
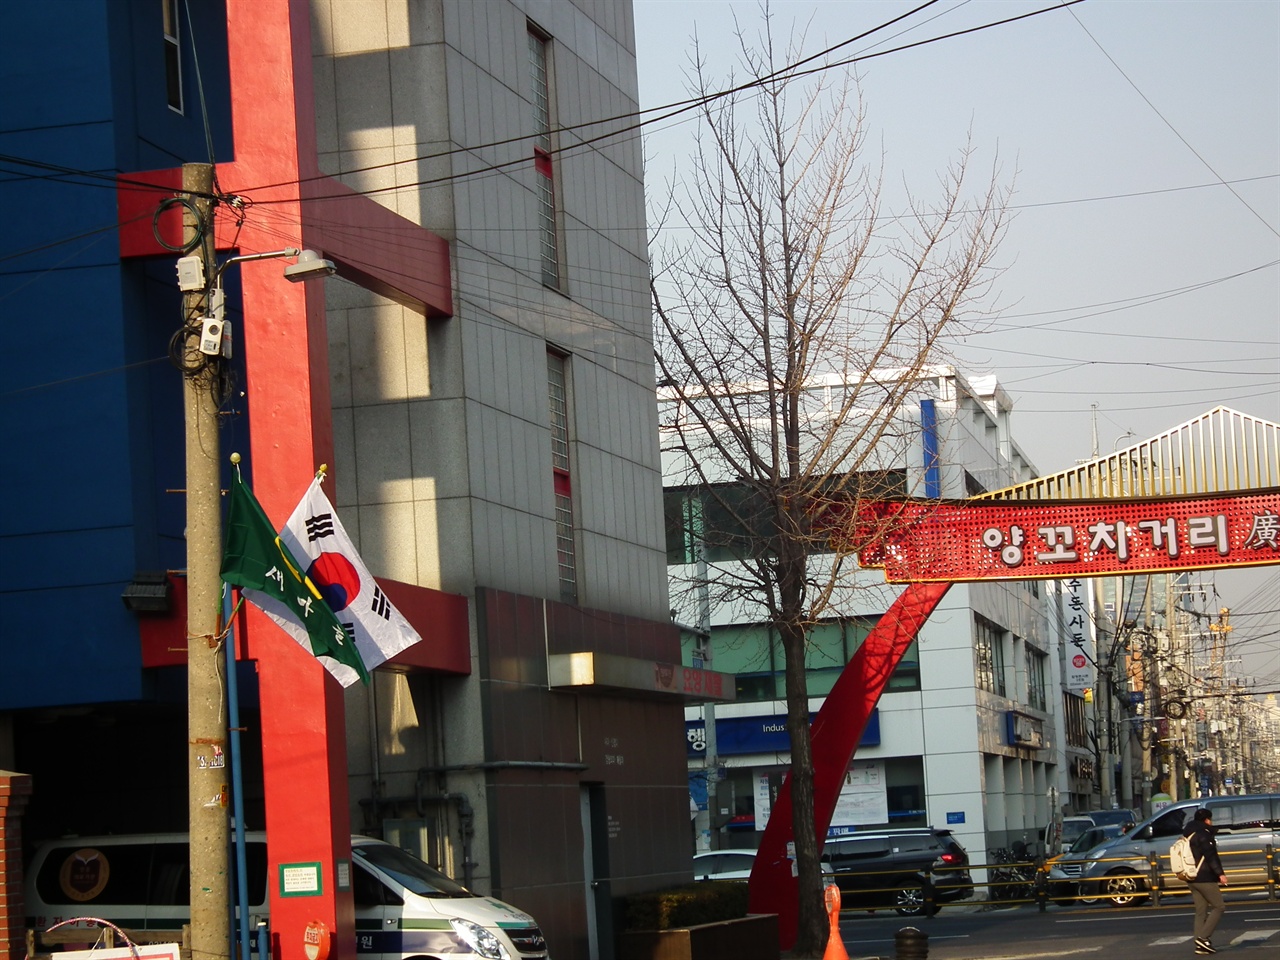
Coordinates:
<point>736,736</point>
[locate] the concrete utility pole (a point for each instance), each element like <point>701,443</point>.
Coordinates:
<point>1102,701</point>
<point>206,716</point>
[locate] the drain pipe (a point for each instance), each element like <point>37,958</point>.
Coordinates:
<point>375,747</point>
<point>466,824</point>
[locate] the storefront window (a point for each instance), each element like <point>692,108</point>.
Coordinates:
<point>753,653</point>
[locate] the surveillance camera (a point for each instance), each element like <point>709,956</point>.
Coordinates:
<point>310,264</point>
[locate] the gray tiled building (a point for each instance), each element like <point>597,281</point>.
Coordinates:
<point>510,452</point>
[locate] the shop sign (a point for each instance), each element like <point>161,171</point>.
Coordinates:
<point>1024,731</point>
<point>1078,630</point>
<point>970,541</point>
<point>736,736</point>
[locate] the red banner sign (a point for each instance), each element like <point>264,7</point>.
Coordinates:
<point>1015,540</point>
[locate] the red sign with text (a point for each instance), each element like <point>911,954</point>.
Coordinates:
<point>1004,540</point>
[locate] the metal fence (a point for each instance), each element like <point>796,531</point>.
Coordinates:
<point>1011,882</point>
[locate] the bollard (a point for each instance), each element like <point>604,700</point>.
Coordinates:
<point>835,943</point>
<point>911,944</point>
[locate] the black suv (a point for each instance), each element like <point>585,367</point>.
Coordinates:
<point>890,868</point>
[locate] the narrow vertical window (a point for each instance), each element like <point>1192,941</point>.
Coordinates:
<point>989,655</point>
<point>172,55</point>
<point>566,555</point>
<point>997,661</point>
<point>548,237</point>
<point>1036,687</point>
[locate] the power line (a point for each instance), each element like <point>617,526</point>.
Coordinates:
<point>785,73</point>
<point>1165,120</point>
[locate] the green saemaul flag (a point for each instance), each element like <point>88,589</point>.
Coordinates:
<point>257,562</point>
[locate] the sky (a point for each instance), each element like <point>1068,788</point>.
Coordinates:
<point>1140,282</point>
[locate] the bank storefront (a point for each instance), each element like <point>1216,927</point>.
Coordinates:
<point>730,802</point>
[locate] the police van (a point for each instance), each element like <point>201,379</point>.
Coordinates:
<point>403,907</point>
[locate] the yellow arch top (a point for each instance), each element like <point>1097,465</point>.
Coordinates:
<point>1222,451</point>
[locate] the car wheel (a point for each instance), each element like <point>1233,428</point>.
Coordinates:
<point>909,902</point>
<point>1121,888</point>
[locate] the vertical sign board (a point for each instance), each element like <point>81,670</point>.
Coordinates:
<point>1078,634</point>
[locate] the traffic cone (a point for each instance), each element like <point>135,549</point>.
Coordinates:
<point>835,944</point>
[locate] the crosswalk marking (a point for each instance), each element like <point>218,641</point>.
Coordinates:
<point>1254,936</point>
<point>1245,939</point>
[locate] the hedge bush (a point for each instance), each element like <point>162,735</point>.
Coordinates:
<point>687,906</point>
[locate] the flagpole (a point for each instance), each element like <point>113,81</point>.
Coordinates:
<point>206,715</point>
<point>237,779</point>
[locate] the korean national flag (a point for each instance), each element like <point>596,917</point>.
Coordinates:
<point>315,536</point>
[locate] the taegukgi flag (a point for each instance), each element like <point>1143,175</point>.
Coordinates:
<point>271,578</point>
<point>315,535</point>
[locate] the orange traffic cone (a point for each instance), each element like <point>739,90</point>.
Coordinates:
<point>835,944</point>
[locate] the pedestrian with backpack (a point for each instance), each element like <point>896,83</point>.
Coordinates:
<point>1209,876</point>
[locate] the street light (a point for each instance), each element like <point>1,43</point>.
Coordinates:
<point>310,264</point>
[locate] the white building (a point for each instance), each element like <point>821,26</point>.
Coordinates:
<point>964,736</point>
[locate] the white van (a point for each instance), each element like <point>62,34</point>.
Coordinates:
<point>403,907</point>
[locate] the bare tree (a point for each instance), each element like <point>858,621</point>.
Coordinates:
<point>795,320</point>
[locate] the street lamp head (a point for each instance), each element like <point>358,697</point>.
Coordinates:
<point>310,264</point>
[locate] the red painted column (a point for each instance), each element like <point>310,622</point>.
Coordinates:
<point>835,733</point>
<point>15,791</point>
<point>287,381</point>
<point>285,345</point>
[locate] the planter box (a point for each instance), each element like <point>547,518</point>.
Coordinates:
<point>753,937</point>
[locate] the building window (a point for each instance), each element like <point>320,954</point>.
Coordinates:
<point>566,555</point>
<point>1073,714</point>
<point>172,55</point>
<point>548,234</point>
<point>682,516</point>
<point>1036,694</point>
<point>753,653</point>
<point>989,653</point>
<point>736,521</point>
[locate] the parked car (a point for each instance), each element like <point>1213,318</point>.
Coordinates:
<point>1059,836</point>
<point>1064,869</point>
<point>1118,870</point>
<point>723,864</point>
<point>889,868</point>
<point>1121,817</point>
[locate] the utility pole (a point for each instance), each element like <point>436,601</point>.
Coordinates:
<point>206,716</point>
<point>711,755</point>
<point>1102,703</point>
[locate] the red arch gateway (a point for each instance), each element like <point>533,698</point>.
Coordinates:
<point>936,543</point>
<point>834,734</point>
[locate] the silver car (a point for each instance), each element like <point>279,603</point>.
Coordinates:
<point>1119,870</point>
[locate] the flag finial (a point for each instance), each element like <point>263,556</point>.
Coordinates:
<point>320,472</point>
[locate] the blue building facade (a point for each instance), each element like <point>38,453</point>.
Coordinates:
<point>90,406</point>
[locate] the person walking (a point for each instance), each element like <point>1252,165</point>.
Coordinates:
<point>1209,877</point>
